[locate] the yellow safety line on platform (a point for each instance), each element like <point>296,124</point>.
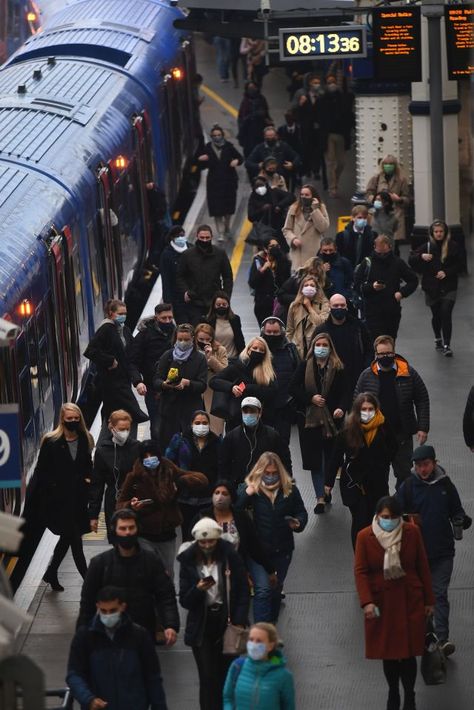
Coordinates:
<point>238,250</point>
<point>219,100</point>
<point>11,566</point>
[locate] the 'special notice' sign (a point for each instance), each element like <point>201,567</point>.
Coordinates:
<point>459,23</point>
<point>397,43</point>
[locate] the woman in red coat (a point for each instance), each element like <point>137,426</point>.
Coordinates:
<point>394,586</point>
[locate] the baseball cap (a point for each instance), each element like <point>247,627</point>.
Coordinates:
<point>251,402</point>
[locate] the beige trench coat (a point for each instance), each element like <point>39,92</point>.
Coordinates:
<point>309,231</point>
<point>216,363</point>
<point>300,324</point>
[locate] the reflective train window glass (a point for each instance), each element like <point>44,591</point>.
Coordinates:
<point>33,362</point>
<point>43,365</point>
<point>94,272</point>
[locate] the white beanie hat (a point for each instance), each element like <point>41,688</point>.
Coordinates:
<point>251,402</point>
<point>206,529</point>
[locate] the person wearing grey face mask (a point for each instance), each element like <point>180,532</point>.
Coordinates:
<point>220,158</point>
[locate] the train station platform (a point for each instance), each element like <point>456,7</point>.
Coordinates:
<point>321,622</point>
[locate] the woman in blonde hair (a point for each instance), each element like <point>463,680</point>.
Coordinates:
<point>309,309</point>
<point>252,375</point>
<point>61,482</point>
<point>323,395</point>
<point>439,263</point>
<point>277,511</point>
<point>217,360</point>
<point>261,679</point>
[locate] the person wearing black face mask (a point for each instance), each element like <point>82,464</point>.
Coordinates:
<point>404,401</point>
<point>285,360</point>
<point>253,116</point>
<point>339,271</point>
<point>252,375</point>
<point>58,493</point>
<point>270,174</point>
<point>269,271</point>
<point>221,159</point>
<point>288,162</point>
<point>227,325</point>
<point>138,571</point>
<point>203,270</point>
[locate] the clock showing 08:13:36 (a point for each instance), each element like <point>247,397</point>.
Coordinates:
<point>322,42</point>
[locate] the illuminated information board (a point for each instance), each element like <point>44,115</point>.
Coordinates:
<point>459,23</point>
<point>397,43</point>
<point>322,42</point>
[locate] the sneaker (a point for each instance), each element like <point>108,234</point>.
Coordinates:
<point>447,647</point>
<point>447,352</point>
<point>438,344</point>
<point>319,508</point>
<point>328,498</point>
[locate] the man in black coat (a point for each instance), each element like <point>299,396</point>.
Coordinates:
<point>242,446</point>
<point>379,281</point>
<point>288,161</point>
<point>140,572</point>
<point>404,400</point>
<point>350,337</point>
<point>154,337</point>
<point>112,663</point>
<point>203,270</point>
<point>285,360</point>
<point>356,241</point>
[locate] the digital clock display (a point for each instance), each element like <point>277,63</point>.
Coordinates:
<point>322,42</point>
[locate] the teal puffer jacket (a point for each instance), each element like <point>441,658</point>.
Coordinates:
<point>259,685</point>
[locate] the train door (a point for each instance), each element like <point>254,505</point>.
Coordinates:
<point>64,313</point>
<point>141,134</point>
<point>108,224</point>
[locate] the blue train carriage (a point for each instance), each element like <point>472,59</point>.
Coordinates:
<point>91,110</point>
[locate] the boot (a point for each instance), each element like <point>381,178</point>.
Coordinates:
<point>393,702</point>
<point>409,703</point>
<point>51,577</point>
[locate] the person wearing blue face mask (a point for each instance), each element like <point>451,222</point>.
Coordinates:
<point>180,379</point>
<point>393,581</point>
<point>261,680</point>
<point>278,511</point>
<point>108,350</point>
<point>151,490</point>
<point>113,640</point>
<point>356,241</point>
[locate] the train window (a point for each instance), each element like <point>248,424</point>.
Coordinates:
<point>24,377</point>
<point>33,364</point>
<point>94,268</point>
<point>43,364</point>
<point>126,200</point>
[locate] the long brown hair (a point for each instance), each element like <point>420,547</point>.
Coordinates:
<point>314,194</point>
<point>352,429</point>
<point>334,358</point>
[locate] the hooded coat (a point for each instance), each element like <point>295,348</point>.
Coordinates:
<point>259,685</point>
<point>433,287</point>
<point>399,631</point>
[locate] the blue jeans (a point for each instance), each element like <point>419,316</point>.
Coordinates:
<point>318,475</point>
<point>441,571</point>
<point>222,46</point>
<point>267,601</point>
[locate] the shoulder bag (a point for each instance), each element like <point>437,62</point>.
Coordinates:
<point>235,638</point>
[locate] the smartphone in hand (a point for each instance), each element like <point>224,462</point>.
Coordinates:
<point>210,579</point>
<point>146,501</point>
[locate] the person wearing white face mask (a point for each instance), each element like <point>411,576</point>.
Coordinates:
<point>321,390</point>
<point>195,449</point>
<point>309,309</point>
<point>151,490</point>
<point>112,640</point>
<point>268,206</point>
<point>393,581</point>
<point>261,680</point>
<point>176,246</point>
<point>181,379</point>
<point>114,458</point>
<point>364,450</point>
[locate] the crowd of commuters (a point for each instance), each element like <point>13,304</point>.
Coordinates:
<point>217,469</point>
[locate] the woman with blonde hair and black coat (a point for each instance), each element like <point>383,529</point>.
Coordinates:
<point>61,488</point>
<point>322,394</point>
<point>309,309</point>
<point>252,375</point>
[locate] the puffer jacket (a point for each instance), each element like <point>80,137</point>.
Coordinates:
<point>123,670</point>
<point>413,397</point>
<point>144,352</point>
<point>201,274</point>
<point>437,501</point>
<point>269,517</point>
<point>259,685</point>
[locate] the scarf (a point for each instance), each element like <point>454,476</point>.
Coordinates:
<point>370,429</point>
<point>180,355</point>
<point>319,416</point>
<point>391,543</point>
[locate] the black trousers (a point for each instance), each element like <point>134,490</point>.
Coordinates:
<point>71,540</point>
<point>383,323</point>
<point>363,511</point>
<point>442,319</point>
<point>212,665</point>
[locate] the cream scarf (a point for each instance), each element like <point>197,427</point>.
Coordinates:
<point>391,543</point>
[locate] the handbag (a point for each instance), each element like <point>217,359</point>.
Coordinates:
<point>220,405</point>
<point>433,661</point>
<point>235,638</point>
<point>259,234</point>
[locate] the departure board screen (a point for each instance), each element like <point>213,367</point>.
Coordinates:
<point>459,23</point>
<point>397,43</point>
<point>322,42</point>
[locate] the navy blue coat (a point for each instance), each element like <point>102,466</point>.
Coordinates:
<point>194,599</point>
<point>273,530</point>
<point>124,670</point>
<point>437,502</point>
